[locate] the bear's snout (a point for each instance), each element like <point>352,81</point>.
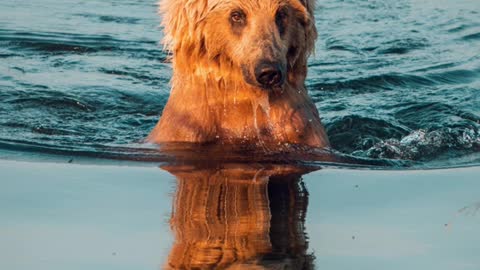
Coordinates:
<point>269,74</point>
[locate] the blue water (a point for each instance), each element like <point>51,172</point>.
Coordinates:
<point>392,80</point>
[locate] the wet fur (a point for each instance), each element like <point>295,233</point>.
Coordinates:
<point>214,96</point>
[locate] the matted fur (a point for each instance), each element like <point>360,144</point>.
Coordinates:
<point>214,95</point>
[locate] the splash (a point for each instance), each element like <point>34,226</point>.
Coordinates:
<point>421,144</point>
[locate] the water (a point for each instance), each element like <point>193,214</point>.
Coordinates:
<point>397,84</point>
<point>58,216</point>
<point>392,79</point>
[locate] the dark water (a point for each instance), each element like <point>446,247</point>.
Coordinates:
<point>392,79</point>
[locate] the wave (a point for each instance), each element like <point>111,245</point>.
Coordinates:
<point>474,36</point>
<point>61,43</point>
<point>393,81</point>
<point>383,81</point>
<point>144,76</point>
<point>110,18</point>
<point>422,145</point>
<point>393,46</point>
<point>405,138</point>
<point>417,115</point>
<point>57,42</point>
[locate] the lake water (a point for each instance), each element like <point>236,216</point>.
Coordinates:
<point>397,84</point>
<point>68,216</point>
<point>392,79</point>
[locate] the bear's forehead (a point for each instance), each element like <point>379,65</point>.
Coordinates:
<point>255,5</point>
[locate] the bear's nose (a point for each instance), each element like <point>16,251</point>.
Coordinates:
<point>269,74</point>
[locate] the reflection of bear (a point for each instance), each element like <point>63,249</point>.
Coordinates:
<point>239,68</point>
<point>239,218</point>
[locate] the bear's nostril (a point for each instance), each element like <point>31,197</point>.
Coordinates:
<point>269,77</point>
<point>269,74</point>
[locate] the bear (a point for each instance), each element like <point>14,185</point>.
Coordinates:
<point>239,69</point>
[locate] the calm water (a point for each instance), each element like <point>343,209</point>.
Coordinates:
<point>391,79</point>
<point>64,216</point>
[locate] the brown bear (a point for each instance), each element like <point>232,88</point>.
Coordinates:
<point>239,69</point>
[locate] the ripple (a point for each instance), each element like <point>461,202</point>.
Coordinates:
<point>460,76</point>
<point>55,42</point>
<point>335,43</point>
<point>395,80</point>
<point>434,115</point>
<point>8,55</point>
<point>384,81</point>
<point>61,43</point>
<point>110,18</point>
<point>392,79</point>
<point>354,132</point>
<point>53,102</point>
<point>402,46</point>
<point>474,36</point>
<point>461,26</point>
<point>136,75</point>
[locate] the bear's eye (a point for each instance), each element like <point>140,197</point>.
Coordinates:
<point>281,20</point>
<point>237,17</point>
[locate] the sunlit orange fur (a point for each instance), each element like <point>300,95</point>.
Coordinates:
<point>211,100</point>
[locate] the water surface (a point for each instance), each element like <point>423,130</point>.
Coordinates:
<point>68,216</point>
<point>391,79</point>
<point>397,84</point>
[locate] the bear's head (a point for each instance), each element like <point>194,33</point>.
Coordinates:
<point>264,43</point>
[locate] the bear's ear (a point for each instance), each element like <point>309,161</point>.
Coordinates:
<point>180,21</point>
<point>309,4</point>
<point>311,29</point>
